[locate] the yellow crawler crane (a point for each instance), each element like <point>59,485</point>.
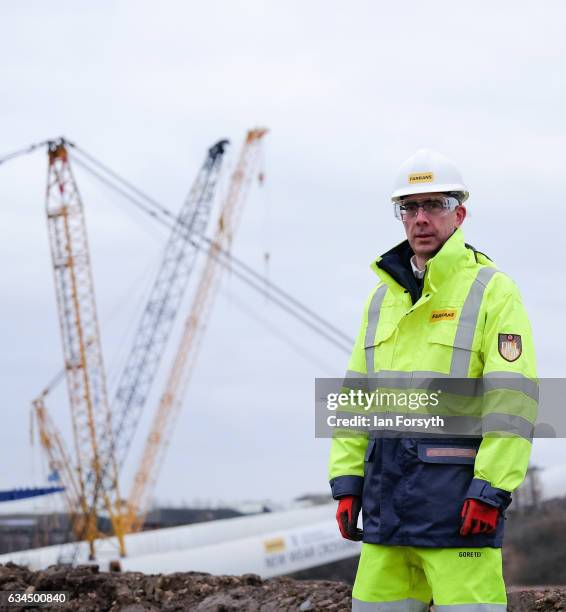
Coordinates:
<point>195,323</point>
<point>84,367</point>
<point>59,458</point>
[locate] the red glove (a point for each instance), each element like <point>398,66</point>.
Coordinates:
<point>478,517</point>
<point>347,516</point>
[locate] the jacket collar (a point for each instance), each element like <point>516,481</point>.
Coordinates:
<point>394,266</point>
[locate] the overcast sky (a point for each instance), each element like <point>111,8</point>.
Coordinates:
<point>348,91</point>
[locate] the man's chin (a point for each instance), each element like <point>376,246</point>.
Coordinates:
<point>425,244</point>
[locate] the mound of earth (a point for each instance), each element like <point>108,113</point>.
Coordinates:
<point>93,591</point>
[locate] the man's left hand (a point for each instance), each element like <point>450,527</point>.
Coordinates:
<point>478,517</point>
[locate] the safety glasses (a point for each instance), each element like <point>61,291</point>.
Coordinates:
<point>435,206</point>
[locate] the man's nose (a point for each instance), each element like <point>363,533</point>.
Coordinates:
<point>421,215</point>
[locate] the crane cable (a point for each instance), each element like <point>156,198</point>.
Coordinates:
<point>162,215</point>
<point>225,259</point>
<point>153,208</point>
<point>276,331</point>
<point>167,213</point>
<point>24,151</point>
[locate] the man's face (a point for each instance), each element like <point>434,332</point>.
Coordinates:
<point>427,232</point>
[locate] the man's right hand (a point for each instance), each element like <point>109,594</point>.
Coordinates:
<point>347,516</point>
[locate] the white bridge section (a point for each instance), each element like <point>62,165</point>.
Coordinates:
<point>270,544</point>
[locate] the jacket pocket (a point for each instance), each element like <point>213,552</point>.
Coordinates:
<point>449,343</point>
<point>371,345</point>
<point>436,488</point>
<point>384,332</point>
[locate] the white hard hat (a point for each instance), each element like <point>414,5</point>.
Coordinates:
<point>428,172</point>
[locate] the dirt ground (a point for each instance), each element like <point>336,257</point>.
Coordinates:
<point>94,591</point>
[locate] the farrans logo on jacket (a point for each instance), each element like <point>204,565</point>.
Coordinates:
<point>448,314</point>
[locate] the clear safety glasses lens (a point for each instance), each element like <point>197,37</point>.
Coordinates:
<point>435,207</point>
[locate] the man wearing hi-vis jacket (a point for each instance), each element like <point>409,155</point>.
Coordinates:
<point>433,507</point>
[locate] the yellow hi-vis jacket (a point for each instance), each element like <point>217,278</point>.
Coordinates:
<point>468,326</point>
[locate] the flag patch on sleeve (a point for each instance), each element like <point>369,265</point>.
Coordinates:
<point>510,346</point>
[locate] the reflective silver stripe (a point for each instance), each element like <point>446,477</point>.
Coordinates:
<point>353,374</point>
<point>471,387</point>
<point>355,384</point>
<point>394,374</point>
<point>389,378</point>
<point>355,380</point>
<point>467,324</point>
<point>497,421</point>
<point>373,320</point>
<point>475,607</point>
<point>401,605</point>
<point>512,381</point>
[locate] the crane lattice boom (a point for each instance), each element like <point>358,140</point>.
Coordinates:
<point>159,314</point>
<point>84,367</point>
<point>195,323</point>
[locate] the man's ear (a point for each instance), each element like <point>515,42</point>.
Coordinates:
<point>460,215</point>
